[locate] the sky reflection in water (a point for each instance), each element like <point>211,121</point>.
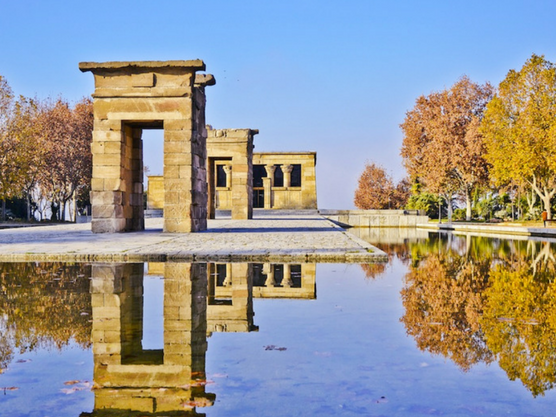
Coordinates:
<point>450,326</point>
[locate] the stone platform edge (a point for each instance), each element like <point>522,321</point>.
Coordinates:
<point>487,230</point>
<point>344,257</point>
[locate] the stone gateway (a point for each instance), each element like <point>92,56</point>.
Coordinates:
<point>137,95</point>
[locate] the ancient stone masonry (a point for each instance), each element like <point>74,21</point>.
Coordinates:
<point>274,180</point>
<point>129,377</point>
<point>284,180</point>
<point>130,97</point>
<point>230,156</point>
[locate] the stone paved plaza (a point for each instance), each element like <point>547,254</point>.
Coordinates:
<point>292,237</point>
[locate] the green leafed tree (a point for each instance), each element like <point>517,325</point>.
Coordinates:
<point>519,129</point>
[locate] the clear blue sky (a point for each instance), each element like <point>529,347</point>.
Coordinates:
<point>334,77</point>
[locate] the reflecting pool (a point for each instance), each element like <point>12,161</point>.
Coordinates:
<point>450,325</point>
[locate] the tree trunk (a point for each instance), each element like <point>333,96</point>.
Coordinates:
<point>468,205</point>
<point>546,195</point>
<point>63,210</point>
<point>28,207</point>
<point>74,213</point>
<point>3,210</point>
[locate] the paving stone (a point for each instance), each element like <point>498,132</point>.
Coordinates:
<point>285,237</point>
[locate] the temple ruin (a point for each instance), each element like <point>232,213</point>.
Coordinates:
<point>275,180</point>
<point>137,95</point>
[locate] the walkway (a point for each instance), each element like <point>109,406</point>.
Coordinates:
<point>290,237</point>
<point>500,229</point>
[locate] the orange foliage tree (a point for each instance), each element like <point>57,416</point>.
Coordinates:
<point>43,305</point>
<point>67,135</point>
<point>376,190</point>
<point>45,149</point>
<point>443,300</point>
<point>442,145</point>
<point>17,148</point>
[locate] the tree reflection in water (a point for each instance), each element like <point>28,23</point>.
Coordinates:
<point>478,300</point>
<point>43,305</point>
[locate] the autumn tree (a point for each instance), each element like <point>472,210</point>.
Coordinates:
<point>43,305</point>
<point>67,136</point>
<point>24,126</point>
<point>17,117</point>
<point>519,128</point>
<point>519,324</point>
<point>443,300</point>
<point>442,146</point>
<point>376,190</point>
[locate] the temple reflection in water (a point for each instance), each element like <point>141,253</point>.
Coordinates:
<point>198,299</point>
<point>468,301</point>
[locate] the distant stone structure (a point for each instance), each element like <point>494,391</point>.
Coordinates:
<point>284,180</point>
<point>137,95</point>
<point>155,192</point>
<point>233,286</point>
<point>240,180</point>
<point>230,168</point>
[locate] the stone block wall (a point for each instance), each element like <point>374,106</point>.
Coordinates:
<point>155,192</point>
<point>375,218</point>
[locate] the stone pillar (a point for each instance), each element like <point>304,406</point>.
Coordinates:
<point>268,270</point>
<point>185,315</point>
<point>287,277</point>
<point>128,97</point>
<point>228,171</point>
<point>287,171</point>
<point>106,286</point>
<point>268,183</point>
<point>228,280</point>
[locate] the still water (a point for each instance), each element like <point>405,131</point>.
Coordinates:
<point>452,326</point>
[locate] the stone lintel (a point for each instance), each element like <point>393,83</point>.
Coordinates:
<point>313,154</point>
<point>287,153</point>
<point>224,134</point>
<point>189,65</point>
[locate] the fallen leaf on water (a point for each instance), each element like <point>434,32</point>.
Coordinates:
<point>382,400</point>
<point>273,347</point>
<point>9,389</point>
<point>68,391</point>
<point>73,382</point>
